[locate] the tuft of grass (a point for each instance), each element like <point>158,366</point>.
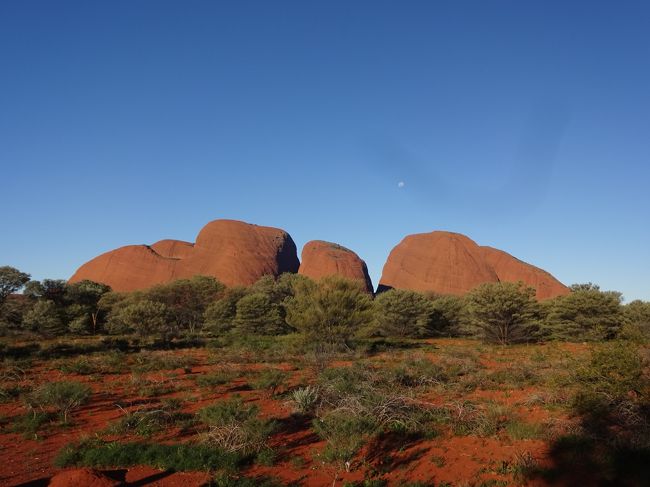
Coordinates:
<point>64,397</point>
<point>304,399</point>
<point>270,380</point>
<point>216,378</point>
<point>520,430</point>
<point>235,427</point>
<point>178,457</point>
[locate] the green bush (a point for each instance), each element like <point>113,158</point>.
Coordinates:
<point>179,457</point>
<point>216,378</point>
<point>587,313</point>
<point>503,312</point>
<point>258,315</point>
<point>45,317</point>
<point>64,397</point>
<point>329,312</point>
<point>235,427</point>
<point>149,421</point>
<point>269,379</point>
<point>304,399</point>
<point>402,313</point>
<point>345,434</point>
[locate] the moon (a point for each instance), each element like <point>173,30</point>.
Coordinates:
<point>400,184</point>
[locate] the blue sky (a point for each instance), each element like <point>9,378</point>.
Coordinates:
<point>524,125</point>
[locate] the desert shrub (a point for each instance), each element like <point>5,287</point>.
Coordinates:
<point>449,315</point>
<point>11,280</point>
<point>45,317</point>
<point>81,366</point>
<point>186,300</point>
<point>304,399</point>
<point>269,379</point>
<point>64,397</point>
<point>523,430</point>
<point>587,313</point>
<point>153,361</point>
<point>403,313</point>
<point>152,386</point>
<point>258,315</point>
<point>216,378</point>
<point>637,312</point>
<point>146,317</point>
<point>330,311</point>
<point>418,371</point>
<point>468,418</point>
<point>235,427</point>
<point>83,308</point>
<point>177,457</point>
<point>219,317</point>
<point>503,312</point>
<point>345,434</point>
<point>613,386</point>
<point>151,420</point>
<point>30,424</point>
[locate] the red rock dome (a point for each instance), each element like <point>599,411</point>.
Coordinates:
<point>439,262</point>
<point>450,263</point>
<point>321,259</point>
<point>234,252</point>
<point>511,269</point>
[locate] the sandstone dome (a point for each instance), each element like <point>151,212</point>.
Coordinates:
<point>320,259</point>
<point>451,263</point>
<point>234,252</point>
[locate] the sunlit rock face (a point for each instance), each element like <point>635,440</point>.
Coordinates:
<point>321,259</point>
<point>451,263</point>
<point>234,252</point>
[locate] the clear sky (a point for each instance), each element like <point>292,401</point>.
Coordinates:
<point>524,125</point>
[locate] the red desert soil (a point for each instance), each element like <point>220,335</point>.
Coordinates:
<point>445,458</point>
<point>321,259</point>
<point>451,263</point>
<point>234,252</point>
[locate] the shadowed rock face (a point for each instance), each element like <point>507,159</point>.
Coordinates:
<point>321,259</point>
<point>450,263</point>
<point>234,252</point>
<point>511,269</point>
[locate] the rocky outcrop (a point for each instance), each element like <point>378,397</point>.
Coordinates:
<point>234,252</point>
<point>438,262</point>
<point>173,249</point>
<point>451,263</point>
<point>321,259</point>
<point>511,269</point>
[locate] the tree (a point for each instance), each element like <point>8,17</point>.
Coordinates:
<point>187,299</point>
<point>587,313</point>
<point>449,315</point>
<point>219,317</point>
<point>330,311</point>
<point>145,317</point>
<point>11,280</point>
<point>403,313</point>
<point>503,312</point>
<point>637,312</point>
<point>83,310</point>
<point>256,314</point>
<point>45,317</point>
<point>52,289</point>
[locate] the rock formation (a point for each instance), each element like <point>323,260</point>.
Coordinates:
<point>451,263</point>
<point>511,269</point>
<point>234,252</point>
<point>320,259</point>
